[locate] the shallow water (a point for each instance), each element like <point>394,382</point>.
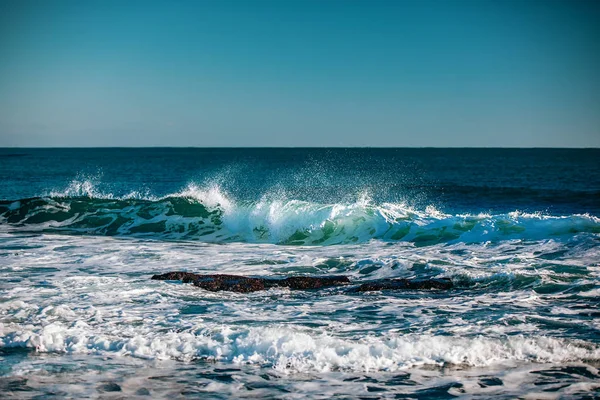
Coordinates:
<point>80,317</point>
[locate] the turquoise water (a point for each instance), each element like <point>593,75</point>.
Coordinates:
<point>83,230</point>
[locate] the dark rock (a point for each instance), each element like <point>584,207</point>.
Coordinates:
<point>185,277</point>
<point>232,283</point>
<point>308,282</point>
<point>405,284</point>
<point>215,282</point>
<point>244,284</point>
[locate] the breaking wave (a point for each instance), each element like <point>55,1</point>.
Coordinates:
<point>293,350</point>
<point>210,215</point>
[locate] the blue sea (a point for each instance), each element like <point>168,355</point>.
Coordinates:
<point>83,230</point>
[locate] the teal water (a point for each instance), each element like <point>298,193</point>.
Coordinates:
<point>82,231</point>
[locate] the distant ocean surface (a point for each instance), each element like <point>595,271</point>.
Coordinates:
<point>516,230</point>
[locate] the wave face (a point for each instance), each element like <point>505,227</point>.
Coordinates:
<point>209,215</point>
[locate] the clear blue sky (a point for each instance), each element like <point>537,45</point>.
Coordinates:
<point>300,73</point>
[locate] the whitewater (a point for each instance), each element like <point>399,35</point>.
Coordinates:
<point>80,317</point>
<point>209,215</point>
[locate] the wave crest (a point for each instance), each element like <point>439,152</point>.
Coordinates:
<point>210,215</point>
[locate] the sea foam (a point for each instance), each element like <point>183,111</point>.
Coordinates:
<point>295,350</point>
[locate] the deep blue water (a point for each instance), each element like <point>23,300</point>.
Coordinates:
<point>517,231</point>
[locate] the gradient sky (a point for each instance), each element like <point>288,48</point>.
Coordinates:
<point>300,73</point>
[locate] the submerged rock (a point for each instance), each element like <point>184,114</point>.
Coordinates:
<point>232,283</point>
<point>216,282</point>
<point>405,284</point>
<point>185,277</point>
<point>244,284</point>
<point>309,282</point>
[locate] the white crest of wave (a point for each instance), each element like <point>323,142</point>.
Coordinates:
<point>212,196</point>
<point>279,219</point>
<point>290,349</point>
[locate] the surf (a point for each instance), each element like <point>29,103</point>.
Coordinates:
<point>209,214</point>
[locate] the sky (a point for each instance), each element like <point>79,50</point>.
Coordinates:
<point>445,73</point>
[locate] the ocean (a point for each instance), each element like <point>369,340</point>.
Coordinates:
<point>82,231</point>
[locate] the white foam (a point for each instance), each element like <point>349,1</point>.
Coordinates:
<point>293,350</point>
<point>93,295</point>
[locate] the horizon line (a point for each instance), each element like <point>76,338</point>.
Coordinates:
<point>301,147</point>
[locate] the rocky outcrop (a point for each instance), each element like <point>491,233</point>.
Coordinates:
<point>232,283</point>
<point>405,284</point>
<point>310,282</point>
<point>216,282</point>
<point>244,284</point>
<point>185,277</point>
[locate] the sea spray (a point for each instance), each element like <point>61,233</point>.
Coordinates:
<point>208,214</point>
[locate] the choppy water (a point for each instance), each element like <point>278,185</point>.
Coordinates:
<point>82,231</point>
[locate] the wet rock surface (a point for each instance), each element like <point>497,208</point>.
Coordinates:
<point>244,284</point>
<point>406,284</point>
<point>216,282</point>
<point>233,283</point>
<point>185,277</point>
<point>308,282</point>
